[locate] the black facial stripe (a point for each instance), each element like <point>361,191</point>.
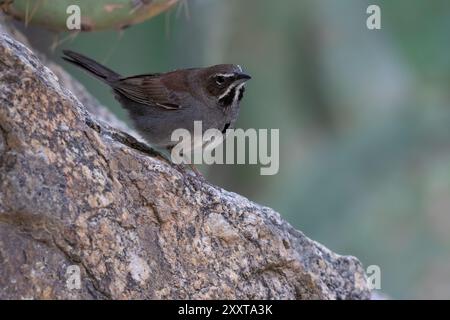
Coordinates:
<point>241,93</point>
<point>228,99</point>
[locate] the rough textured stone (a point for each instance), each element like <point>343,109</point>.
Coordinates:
<point>75,191</point>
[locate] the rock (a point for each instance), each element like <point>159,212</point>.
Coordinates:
<point>78,195</point>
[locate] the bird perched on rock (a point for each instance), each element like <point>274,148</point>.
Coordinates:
<point>160,103</point>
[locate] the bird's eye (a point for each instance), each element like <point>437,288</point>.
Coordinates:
<point>220,80</point>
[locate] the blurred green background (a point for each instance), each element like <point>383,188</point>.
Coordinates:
<point>364,117</point>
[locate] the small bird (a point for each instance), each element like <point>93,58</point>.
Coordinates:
<point>160,103</point>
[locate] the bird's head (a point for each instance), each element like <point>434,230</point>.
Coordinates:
<point>225,83</point>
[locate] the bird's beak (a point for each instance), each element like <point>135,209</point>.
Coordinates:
<point>241,77</point>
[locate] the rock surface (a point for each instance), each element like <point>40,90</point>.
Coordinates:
<point>75,192</point>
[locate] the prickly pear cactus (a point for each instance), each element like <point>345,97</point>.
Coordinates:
<point>94,15</point>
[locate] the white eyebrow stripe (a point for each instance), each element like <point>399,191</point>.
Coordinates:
<point>225,75</point>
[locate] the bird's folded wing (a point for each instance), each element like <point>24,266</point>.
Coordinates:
<point>147,90</point>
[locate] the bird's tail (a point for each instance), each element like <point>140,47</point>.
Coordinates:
<point>93,67</point>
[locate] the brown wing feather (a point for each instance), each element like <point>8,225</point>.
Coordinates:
<point>148,90</point>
